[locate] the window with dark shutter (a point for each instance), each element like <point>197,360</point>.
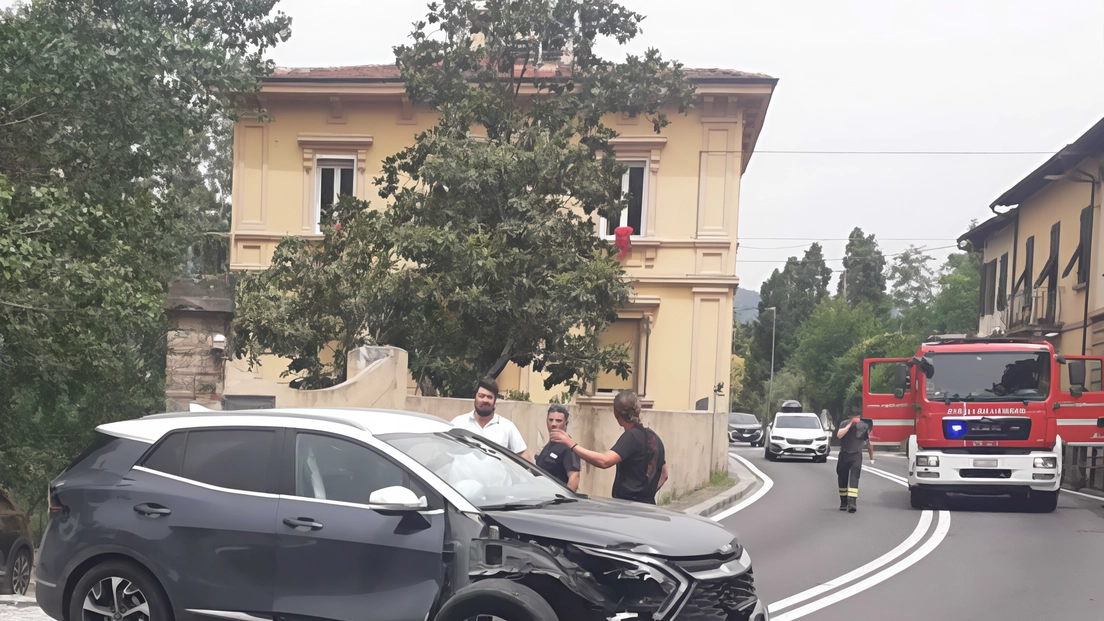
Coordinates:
<point>1002,283</point>
<point>990,288</point>
<point>1080,254</point>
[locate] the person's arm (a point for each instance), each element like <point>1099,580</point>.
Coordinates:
<point>573,481</point>
<point>517,444</point>
<point>662,478</point>
<point>843,430</point>
<point>870,448</point>
<point>604,460</point>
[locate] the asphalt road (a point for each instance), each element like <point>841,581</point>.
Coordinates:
<point>976,560</point>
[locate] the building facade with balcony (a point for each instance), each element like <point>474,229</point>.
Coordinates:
<point>329,129</point>
<point>1042,270</point>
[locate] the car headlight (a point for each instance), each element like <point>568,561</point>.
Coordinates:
<point>779,438</point>
<point>1046,462</point>
<point>927,460</point>
<point>822,438</point>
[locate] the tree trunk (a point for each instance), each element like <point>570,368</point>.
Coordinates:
<point>503,358</point>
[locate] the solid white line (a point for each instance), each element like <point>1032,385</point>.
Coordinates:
<point>941,528</point>
<point>906,545</point>
<point>1089,496</point>
<point>882,473</point>
<point>768,483</point>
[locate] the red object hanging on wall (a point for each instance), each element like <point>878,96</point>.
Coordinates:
<point>621,240</point>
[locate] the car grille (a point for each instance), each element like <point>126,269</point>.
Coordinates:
<point>985,473</point>
<point>800,441</point>
<point>728,599</point>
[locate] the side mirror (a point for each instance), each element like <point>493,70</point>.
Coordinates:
<point>396,498</point>
<point>900,380</point>
<point>1076,376</point>
<point>1060,359</point>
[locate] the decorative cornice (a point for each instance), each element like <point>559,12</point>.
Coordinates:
<point>342,141</point>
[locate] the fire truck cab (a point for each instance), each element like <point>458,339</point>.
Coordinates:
<point>985,416</point>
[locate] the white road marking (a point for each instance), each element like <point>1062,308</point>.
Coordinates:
<point>768,483</point>
<point>1089,496</point>
<point>906,545</point>
<point>941,529</point>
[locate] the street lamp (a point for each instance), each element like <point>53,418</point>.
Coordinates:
<point>770,390</point>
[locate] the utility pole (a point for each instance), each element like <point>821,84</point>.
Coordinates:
<point>770,390</point>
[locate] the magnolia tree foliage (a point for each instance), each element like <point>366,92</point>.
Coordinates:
<point>486,251</point>
<point>105,106</point>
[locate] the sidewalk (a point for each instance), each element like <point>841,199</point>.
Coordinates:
<point>706,502</point>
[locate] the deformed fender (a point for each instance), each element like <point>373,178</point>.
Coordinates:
<point>513,560</point>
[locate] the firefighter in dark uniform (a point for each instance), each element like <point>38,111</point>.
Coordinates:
<point>854,436</point>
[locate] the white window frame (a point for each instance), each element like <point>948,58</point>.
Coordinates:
<point>352,160</point>
<point>602,223</point>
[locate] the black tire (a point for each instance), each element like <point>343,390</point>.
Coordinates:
<point>145,587</point>
<point>769,455</point>
<point>823,459</point>
<point>1043,502</point>
<point>17,578</point>
<point>919,498</point>
<point>504,599</point>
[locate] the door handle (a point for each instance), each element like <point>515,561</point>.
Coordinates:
<point>152,510</point>
<point>298,523</point>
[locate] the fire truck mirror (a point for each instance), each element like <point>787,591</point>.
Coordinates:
<point>900,380</point>
<point>1100,422</point>
<point>1076,374</point>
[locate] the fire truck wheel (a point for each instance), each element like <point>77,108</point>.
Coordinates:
<point>1043,502</point>
<point>919,498</point>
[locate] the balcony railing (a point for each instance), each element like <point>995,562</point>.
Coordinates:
<point>1040,307</point>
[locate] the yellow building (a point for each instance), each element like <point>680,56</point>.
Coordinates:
<point>1041,274</point>
<point>330,129</point>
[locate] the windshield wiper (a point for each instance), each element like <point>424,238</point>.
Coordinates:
<point>515,506</point>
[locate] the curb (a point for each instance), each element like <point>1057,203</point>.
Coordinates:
<point>17,601</point>
<point>1088,491</point>
<point>746,483</point>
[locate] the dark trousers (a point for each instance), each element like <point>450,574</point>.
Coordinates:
<point>848,469</point>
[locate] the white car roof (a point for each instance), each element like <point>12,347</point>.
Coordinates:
<point>803,414</point>
<point>151,428</point>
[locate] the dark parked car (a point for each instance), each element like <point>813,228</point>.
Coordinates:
<point>16,550</point>
<point>348,515</point>
<point>744,428</point>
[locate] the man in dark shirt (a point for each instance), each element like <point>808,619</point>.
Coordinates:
<point>555,458</point>
<point>638,453</point>
<point>854,436</point>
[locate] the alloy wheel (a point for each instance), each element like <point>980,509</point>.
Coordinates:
<point>21,575</point>
<point>115,599</point>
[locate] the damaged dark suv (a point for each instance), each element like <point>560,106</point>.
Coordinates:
<point>350,515</point>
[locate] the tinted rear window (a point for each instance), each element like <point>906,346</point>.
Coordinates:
<point>168,457</point>
<point>108,453</point>
<point>232,458</point>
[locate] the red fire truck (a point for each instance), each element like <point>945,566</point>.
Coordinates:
<point>985,416</point>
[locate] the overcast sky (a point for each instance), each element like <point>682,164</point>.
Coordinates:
<point>855,75</point>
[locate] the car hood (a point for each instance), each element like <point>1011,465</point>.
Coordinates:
<point>621,525</point>
<point>745,426</point>
<point>799,434</point>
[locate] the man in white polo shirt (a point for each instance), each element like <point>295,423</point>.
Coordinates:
<point>483,420</point>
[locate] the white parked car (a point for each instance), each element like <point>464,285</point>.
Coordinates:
<point>797,434</point>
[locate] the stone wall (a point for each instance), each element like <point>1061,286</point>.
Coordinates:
<point>193,370</point>
<point>695,442</point>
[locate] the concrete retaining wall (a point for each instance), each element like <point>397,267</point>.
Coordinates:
<point>695,442</point>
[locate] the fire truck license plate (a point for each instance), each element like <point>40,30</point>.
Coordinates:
<point>985,463</point>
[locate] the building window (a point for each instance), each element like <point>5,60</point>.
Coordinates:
<point>634,184</point>
<point>989,287</point>
<point>621,332</point>
<point>1081,253</point>
<point>335,178</point>
<point>1002,283</point>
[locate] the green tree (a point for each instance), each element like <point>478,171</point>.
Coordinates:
<point>914,282</point>
<point>490,214</point>
<point>794,291</point>
<point>101,105</point>
<point>954,310</point>
<point>832,330</point>
<point>864,278</point>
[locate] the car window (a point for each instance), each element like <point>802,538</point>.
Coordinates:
<point>797,422</point>
<point>168,456</point>
<point>334,469</point>
<point>232,458</point>
<point>742,419</point>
